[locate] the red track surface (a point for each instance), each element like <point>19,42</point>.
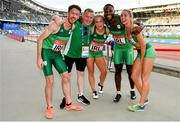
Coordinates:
<point>168,51</point>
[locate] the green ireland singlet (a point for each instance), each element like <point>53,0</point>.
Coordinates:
<point>123,50</point>
<point>150,51</point>
<point>97,43</point>
<point>51,51</point>
<point>78,40</point>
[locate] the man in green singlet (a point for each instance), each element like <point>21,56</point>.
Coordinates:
<point>50,45</point>
<point>123,51</point>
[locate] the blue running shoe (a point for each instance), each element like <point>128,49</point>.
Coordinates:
<point>136,107</point>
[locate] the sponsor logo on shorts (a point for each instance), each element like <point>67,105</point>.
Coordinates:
<point>45,63</point>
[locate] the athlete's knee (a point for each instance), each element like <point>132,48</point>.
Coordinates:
<point>104,72</point>
<point>80,74</point>
<point>134,77</point>
<point>129,69</point>
<point>144,79</point>
<point>49,81</point>
<point>118,69</point>
<point>65,77</point>
<point>145,83</point>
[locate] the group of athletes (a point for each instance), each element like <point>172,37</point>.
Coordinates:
<point>80,40</point>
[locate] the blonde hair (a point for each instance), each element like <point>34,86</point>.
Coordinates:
<point>99,16</point>
<point>131,16</point>
<point>106,28</point>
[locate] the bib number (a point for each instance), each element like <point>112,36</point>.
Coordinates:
<point>96,47</point>
<point>119,39</point>
<point>58,46</point>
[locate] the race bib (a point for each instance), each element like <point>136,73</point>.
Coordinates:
<point>119,39</point>
<point>58,46</point>
<point>96,47</point>
<point>85,52</point>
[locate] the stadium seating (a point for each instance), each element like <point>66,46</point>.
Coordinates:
<point>162,31</point>
<point>163,26</point>
<point>163,20</point>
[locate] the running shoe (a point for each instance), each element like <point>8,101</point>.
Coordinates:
<point>73,107</point>
<point>63,103</point>
<point>100,88</point>
<point>49,112</point>
<point>117,98</point>
<point>136,107</point>
<point>83,99</point>
<point>95,95</point>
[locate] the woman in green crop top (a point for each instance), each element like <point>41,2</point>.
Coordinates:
<point>99,34</point>
<point>143,64</point>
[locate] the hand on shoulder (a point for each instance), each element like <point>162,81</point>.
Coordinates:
<point>137,29</point>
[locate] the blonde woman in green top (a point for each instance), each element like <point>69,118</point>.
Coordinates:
<point>99,34</point>
<point>143,63</point>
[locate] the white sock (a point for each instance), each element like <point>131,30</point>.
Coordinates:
<point>132,90</point>
<point>119,92</point>
<point>80,94</point>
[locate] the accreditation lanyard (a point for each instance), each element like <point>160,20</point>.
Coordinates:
<point>89,34</point>
<point>85,48</point>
